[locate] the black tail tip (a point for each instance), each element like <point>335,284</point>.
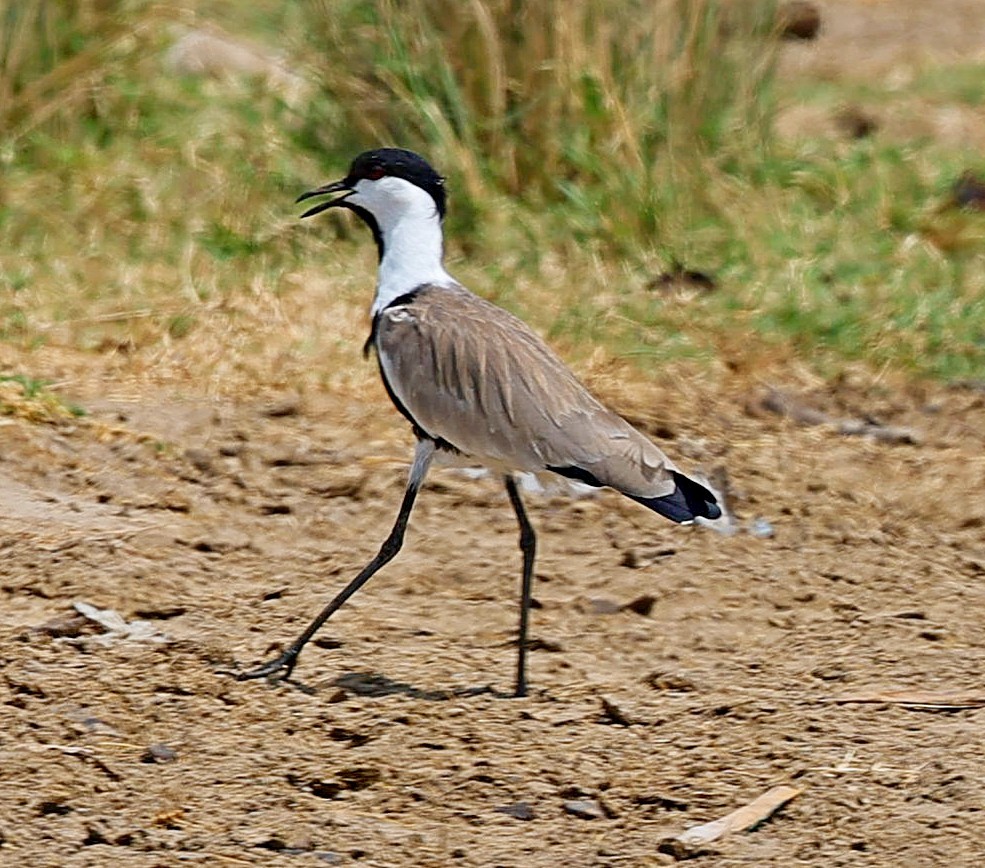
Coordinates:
<point>690,500</point>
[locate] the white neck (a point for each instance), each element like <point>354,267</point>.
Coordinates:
<point>412,251</point>
<point>412,242</point>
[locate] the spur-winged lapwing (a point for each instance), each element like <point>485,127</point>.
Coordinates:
<point>476,383</point>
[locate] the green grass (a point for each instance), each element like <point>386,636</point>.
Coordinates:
<point>30,397</point>
<point>142,210</point>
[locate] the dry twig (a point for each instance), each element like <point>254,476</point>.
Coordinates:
<point>926,699</point>
<point>694,840</point>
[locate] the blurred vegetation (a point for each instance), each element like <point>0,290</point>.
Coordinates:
<point>589,148</point>
<point>31,399</point>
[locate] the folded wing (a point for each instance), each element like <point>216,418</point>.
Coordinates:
<point>473,375</point>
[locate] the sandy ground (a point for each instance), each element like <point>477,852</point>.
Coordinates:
<point>138,750</point>
<point>220,524</point>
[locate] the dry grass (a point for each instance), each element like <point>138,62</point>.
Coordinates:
<point>607,113</point>
<point>148,234</point>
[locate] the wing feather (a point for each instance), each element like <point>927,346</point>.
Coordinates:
<point>475,376</point>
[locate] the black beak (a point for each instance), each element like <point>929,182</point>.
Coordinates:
<point>335,187</point>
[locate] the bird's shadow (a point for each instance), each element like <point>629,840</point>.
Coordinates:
<point>376,684</point>
<point>373,684</point>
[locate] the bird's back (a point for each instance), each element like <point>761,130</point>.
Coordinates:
<point>474,376</point>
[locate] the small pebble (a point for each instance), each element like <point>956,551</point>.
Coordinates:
<point>641,605</point>
<point>159,753</point>
<point>761,529</point>
<point>287,405</point>
<point>518,810</point>
<point>603,606</point>
<point>584,809</point>
<point>200,459</point>
<point>614,713</point>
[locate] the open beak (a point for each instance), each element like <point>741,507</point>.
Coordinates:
<point>335,187</point>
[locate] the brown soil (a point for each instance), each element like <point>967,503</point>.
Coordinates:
<point>141,751</point>
<point>887,44</point>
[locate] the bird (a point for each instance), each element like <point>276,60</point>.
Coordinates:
<point>476,384</point>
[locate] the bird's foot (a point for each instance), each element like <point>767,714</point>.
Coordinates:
<point>278,669</point>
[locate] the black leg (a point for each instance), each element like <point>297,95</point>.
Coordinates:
<point>284,664</point>
<point>528,545</point>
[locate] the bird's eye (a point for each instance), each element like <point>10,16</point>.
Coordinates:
<point>375,173</point>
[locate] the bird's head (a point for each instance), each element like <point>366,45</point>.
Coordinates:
<point>384,187</point>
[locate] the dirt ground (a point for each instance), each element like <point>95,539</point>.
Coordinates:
<point>225,525</point>
<point>214,525</point>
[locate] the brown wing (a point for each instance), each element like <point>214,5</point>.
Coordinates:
<point>475,376</point>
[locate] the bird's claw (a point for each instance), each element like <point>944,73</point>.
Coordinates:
<point>278,669</point>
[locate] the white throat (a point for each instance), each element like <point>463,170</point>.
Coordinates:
<point>412,239</point>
